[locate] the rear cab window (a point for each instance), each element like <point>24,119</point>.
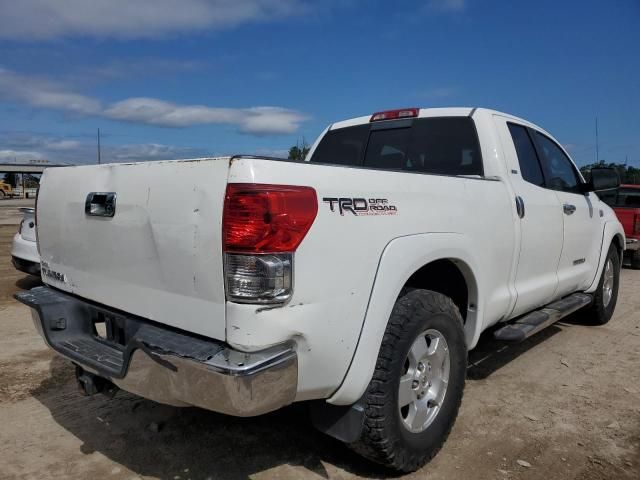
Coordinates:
<point>435,145</point>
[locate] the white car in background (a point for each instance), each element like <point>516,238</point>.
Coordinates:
<point>24,250</point>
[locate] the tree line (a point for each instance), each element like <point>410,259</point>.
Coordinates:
<point>628,174</point>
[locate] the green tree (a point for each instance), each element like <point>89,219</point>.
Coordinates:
<point>299,151</point>
<point>628,174</point>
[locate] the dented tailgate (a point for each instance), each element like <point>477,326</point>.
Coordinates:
<point>159,254</point>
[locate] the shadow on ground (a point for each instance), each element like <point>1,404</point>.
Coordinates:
<point>491,355</point>
<point>28,282</point>
<point>169,442</point>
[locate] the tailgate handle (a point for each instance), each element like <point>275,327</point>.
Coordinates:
<point>100,204</point>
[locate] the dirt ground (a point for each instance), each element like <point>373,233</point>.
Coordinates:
<point>566,402</point>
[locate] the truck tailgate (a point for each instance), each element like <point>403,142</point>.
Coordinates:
<point>159,256</point>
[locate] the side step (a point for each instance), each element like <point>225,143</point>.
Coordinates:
<point>533,322</point>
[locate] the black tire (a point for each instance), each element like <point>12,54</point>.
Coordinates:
<point>600,312</point>
<point>385,439</point>
<point>635,260</point>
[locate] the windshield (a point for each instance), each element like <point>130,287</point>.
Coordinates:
<point>441,145</point>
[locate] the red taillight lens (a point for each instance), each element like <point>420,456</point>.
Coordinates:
<point>395,114</point>
<point>263,218</point>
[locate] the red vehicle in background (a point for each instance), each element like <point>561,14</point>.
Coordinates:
<point>626,203</point>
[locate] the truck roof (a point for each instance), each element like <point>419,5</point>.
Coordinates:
<point>440,112</point>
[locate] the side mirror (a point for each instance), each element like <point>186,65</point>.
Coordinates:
<point>603,179</point>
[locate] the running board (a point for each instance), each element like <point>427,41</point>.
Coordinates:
<point>533,322</point>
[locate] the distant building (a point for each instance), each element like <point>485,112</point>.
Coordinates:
<point>21,180</point>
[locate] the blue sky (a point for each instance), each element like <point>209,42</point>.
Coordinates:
<point>184,78</point>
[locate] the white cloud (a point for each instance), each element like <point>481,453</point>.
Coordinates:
<point>47,19</point>
<point>272,152</point>
<point>446,5</point>
<point>25,146</point>
<point>148,151</point>
<point>44,93</point>
<point>63,145</point>
<point>19,155</point>
<point>256,120</point>
<point>151,111</point>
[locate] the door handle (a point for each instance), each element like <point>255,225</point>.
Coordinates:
<point>520,206</point>
<point>568,208</point>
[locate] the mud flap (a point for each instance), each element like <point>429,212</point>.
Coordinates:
<point>343,423</point>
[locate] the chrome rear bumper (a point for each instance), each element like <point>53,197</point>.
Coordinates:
<point>221,384</point>
<point>163,364</point>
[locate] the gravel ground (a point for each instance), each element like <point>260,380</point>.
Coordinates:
<point>563,405</point>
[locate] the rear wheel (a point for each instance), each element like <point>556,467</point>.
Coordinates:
<point>416,389</point>
<point>606,295</point>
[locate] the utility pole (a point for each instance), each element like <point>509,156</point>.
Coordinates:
<point>597,152</point>
<point>99,160</point>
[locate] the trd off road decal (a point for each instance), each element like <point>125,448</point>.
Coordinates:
<point>361,206</point>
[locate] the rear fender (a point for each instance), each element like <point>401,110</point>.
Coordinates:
<point>611,230</point>
<point>400,259</point>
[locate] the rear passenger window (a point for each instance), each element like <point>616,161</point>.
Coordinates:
<point>343,146</point>
<point>447,146</point>
<point>530,168</point>
<point>558,169</point>
<point>387,149</point>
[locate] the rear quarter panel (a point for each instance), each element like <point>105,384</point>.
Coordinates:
<point>336,265</point>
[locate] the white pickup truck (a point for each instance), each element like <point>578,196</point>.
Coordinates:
<point>356,280</point>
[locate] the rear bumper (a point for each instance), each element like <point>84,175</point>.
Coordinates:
<point>24,249</point>
<point>32,268</point>
<point>163,364</point>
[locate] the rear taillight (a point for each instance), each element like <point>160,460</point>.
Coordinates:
<point>262,226</point>
<point>636,224</point>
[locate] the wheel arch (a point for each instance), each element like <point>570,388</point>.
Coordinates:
<point>451,277</point>
<point>413,261</point>
<point>619,242</point>
<point>613,234</point>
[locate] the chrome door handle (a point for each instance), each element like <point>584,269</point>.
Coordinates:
<point>568,208</point>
